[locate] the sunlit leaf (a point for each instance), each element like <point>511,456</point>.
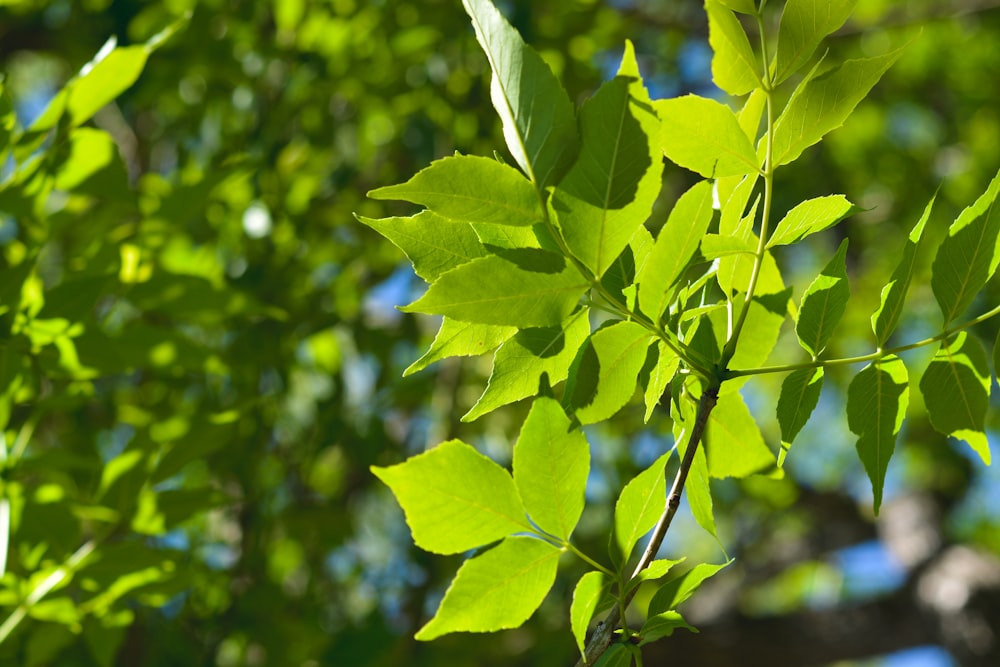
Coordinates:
<point>498,589</point>
<point>432,244</point>
<point>705,136</point>
<point>469,188</point>
<point>454,498</point>
<point>663,371</point>
<point>662,625</point>
<point>678,589</point>
<point>885,319</point>
<point>823,304</point>
<point>538,120</point>
<point>876,405</point>
<point>735,69</point>
<point>809,217</point>
<point>956,389</point>
<point>640,505</point>
<point>798,398</point>
<point>461,339</point>
<point>733,443</point>
<point>586,595</point>
<point>804,24</point>
<point>618,353</point>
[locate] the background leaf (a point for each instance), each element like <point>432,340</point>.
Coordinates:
<point>823,304</point>
<point>804,24</point>
<point>639,505</point>
<point>809,217</point>
<point>551,464</point>
<point>470,188</point>
<point>876,405</point>
<point>498,589</point>
<point>454,498</point>
<point>734,66</point>
<point>798,398</point>
<point>704,136</point>
<point>538,120</point>
<point>956,389</point>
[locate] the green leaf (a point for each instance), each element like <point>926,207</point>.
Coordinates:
<point>809,217</point>
<point>498,589</point>
<point>538,121</point>
<point>967,257</point>
<point>823,304</point>
<point>762,326</point>
<point>823,103</point>
<point>617,655</point>
<point>798,398</point>
<point>657,569</point>
<point>610,190</point>
<point>551,464</point>
<point>734,66</point>
<point>804,24</point>
<point>469,188</point>
<point>675,245</point>
<point>586,595</point>
<point>705,136</point>
<point>663,372</point>
<point>678,589</point>
<point>640,505</point>
<point>619,352</point>
<point>733,442</point>
<point>461,339</point>
<point>519,364</point>
<point>876,405</point>
<point>662,625</point>
<point>432,244</point>
<point>885,319</point>
<point>716,245</point>
<point>996,357</point>
<point>956,389</point>
<point>744,6</point>
<point>454,498</point>
<point>751,113</point>
<point>699,493</point>
<point>492,290</point>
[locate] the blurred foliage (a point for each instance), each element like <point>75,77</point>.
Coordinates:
<point>199,358</point>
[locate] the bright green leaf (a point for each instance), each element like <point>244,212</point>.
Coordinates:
<point>956,389</point>
<point>809,217</point>
<point>885,319</point>
<point>876,405</point>
<point>657,569</point>
<point>823,304</point>
<point>610,190</point>
<point>751,114</point>
<point>454,498</point>
<point>662,625</point>
<point>551,464</point>
<point>733,442</point>
<point>492,290</point>
<point>619,352</point>
<point>519,364</point>
<point>663,372</point>
<point>734,66</point>
<point>640,505</point>
<point>498,589</point>
<point>744,6</point>
<point>704,136</point>
<point>674,592</point>
<point>461,339</point>
<point>433,244</point>
<point>675,245</point>
<point>716,245</point>
<point>586,595</point>
<point>967,257</point>
<point>538,120</point>
<point>798,398</point>
<point>762,326</point>
<point>699,493</point>
<point>823,103</point>
<point>469,188</point>
<point>804,24</point>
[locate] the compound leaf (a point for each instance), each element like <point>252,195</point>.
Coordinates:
<point>885,319</point>
<point>809,217</point>
<point>498,589</point>
<point>551,464</point>
<point>956,389</point>
<point>433,244</point>
<point>823,304</point>
<point>804,24</point>
<point>876,405</point>
<point>967,257</point>
<point>454,498</point>
<point>539,125</point>
<point>705,136</point>
<point>798,398</point>
<point>470,188</point>
<point>639,505</point>
<point>492,290</point>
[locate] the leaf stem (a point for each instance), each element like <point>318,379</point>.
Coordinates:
<point>601,639</point>
<point>587,559</point>
<point>874,356</point>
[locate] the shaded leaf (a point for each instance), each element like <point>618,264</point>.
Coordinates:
<point>469,188</point>
<point>885,319</point>
<point>876,405</point>
<point>498,589</point>
<point>662,625</point>
<point>619,353</point>
<point>492,290</point>
<point>956,389</point>
<point>640,505</point>
<point>586,594</point>
<point>705,136</point>
<point>823,304</point>
<point>461,339</point>
<point>433,244</point>
<point>617,655</point>
<point>809,217</point>
<point>551,464</point>
<point>538,120</point>
<point>798,398</point>
<point>734,66</point>
<point>454,498</point>
<point>804,24</point>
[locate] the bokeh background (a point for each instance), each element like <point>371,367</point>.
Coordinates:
<point>233,310</point>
